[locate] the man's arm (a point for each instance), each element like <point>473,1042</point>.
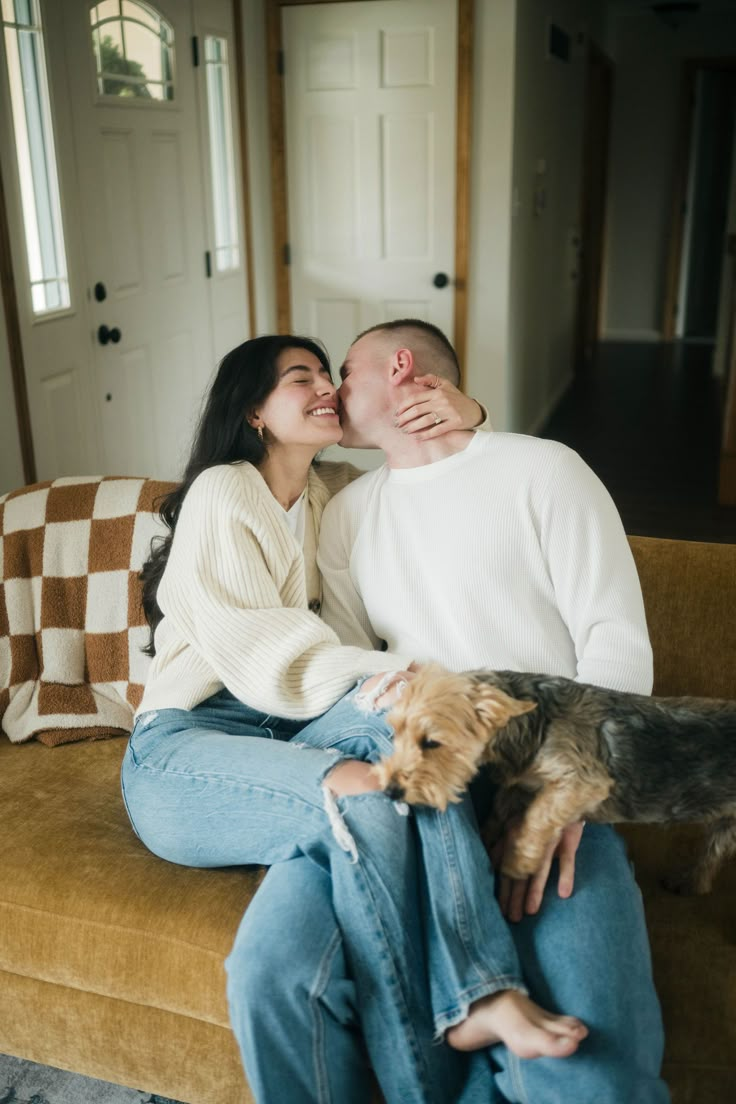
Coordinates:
<point>599,597</point>
<point>595,579</point>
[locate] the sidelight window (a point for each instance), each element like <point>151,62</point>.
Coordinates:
<point>36,156</point>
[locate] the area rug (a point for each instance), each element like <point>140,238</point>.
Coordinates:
<point>27,1083</point>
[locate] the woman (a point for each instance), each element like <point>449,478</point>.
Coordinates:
<point>213,775</point>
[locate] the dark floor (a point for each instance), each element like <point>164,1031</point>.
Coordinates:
<point>647,418</point>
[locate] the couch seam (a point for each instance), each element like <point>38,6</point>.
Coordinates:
<point>122,1000</point>
<point>84,921</point>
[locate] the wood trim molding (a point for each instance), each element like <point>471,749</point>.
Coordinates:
<point>690,67</point>
<point>464,110</point>
<point>727,475</point>
<point>679,193</point>
<point>277,139</point>
<point>15,346</point>
<point>244,174</point>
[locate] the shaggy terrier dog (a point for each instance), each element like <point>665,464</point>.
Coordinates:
<point>561,751</point>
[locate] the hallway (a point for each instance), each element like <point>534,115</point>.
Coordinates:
<point>646,417</point>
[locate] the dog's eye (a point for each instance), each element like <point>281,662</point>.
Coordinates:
<point>426,743</point>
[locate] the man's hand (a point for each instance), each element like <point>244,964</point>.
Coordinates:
<point>519,896</point>
<point>444,409</point>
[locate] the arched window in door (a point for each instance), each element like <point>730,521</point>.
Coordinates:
<point>134,51</point>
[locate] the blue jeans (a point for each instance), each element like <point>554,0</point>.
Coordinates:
<point>378,929</point>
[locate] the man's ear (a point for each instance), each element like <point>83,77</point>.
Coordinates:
<point>402,367</point>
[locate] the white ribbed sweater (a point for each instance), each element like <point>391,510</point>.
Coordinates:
<point>508,555</point>
<point>234,602</point>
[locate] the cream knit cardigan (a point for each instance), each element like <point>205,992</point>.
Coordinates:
<point>234,597</point>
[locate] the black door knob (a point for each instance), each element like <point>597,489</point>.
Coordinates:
<point>100,292</point>
<point>441,280</point>
<point>104,335</point>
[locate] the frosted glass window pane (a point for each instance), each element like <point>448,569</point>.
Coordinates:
<point>145,47</point>
<point>22,12</point>
<point>108,9</point>
<point>139,13</point>
<point>36,157</point>
<point>222,167</point>
<point>134,50</point>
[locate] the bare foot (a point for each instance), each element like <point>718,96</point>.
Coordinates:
<point>511,1018</point>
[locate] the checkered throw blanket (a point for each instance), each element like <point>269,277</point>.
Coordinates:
<point>71,621</point>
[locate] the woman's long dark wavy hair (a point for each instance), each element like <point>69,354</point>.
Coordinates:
<point>245,378</point>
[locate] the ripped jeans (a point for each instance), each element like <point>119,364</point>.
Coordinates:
<point>373,930</point>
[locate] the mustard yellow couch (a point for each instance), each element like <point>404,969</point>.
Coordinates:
<point>111,961</point>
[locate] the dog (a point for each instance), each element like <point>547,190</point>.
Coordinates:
<point>560,751</point>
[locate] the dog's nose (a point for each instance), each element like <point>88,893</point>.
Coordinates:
<point>395,791</point>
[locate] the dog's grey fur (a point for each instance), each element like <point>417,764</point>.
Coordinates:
<point>667,759</point>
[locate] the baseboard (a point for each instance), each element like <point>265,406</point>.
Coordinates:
<point>645,336</point>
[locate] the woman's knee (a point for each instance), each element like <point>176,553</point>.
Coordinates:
<point>350,777</point>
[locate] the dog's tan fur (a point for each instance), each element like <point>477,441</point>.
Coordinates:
<point>556,768</point>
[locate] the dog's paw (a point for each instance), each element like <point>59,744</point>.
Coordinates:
<point>520,864</point>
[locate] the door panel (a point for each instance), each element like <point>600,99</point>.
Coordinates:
<point>370,104</point>
<point>370,125</point>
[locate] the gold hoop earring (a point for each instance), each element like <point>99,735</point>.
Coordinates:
<point>259,431</point>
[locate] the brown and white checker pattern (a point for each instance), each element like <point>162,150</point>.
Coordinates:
<point>71,621</point>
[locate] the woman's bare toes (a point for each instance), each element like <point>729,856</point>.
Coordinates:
<point>526,1029</point>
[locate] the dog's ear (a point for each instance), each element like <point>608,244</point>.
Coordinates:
<point>496,708</point>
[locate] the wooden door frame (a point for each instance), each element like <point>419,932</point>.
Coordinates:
<point>727,470</point>
<point>683,155</point>
<point>7,274</point>
<point>277,145</point>
<point>15,344</point>
<point>242,122</point>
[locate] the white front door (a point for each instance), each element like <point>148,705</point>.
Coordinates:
<point>140,182</point>
<point>148,155</point>
<point>370,92</point>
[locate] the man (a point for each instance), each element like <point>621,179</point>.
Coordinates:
<point>487,549</point>
<point>505,551</point>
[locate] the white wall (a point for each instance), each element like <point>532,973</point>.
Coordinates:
<point>648,58</point>
<point>11,464</point>
<point>547,161</point>
<point>486,368</point>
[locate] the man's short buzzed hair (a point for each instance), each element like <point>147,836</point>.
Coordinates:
<point>436,352</point>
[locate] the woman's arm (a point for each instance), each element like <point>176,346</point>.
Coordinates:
<point>443,409</point>
<point>231,590</point>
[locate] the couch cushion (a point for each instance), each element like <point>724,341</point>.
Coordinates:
<point>85,905</point>
<point>692,941</point>
<point>689,595</point>
<point>71,620</point>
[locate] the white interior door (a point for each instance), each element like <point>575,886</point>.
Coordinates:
<point>370,93</point>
